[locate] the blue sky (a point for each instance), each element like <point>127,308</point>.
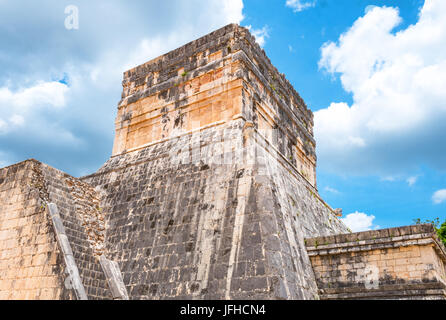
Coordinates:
<point>372,71</point>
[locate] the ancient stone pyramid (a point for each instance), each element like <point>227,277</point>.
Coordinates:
<point>209,193</point>
<point>211,187</point>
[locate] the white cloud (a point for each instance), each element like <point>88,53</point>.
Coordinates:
<point>259,34</point>
<point>388,178</point>
<point>300,5</point>
<point>439,196</point>
<point>332,190</point>
<point>397,83</point>
<point>3,126</point>
<point>232,10</point>
<point>17,120</point>
<point>16,106</point>
<point>72,126</point>
<point>412,180</point>
<point>370,8</point>
<point>359,221</point>
<point>45,93</point>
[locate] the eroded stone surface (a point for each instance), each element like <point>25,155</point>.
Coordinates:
<point>220,77</point>
<point>28,241</point>
<point>31,266</point>
<point>188,218</point>
<point>78,207</point>
<point>398,263</point>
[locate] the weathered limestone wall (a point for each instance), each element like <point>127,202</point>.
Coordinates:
<point>399,263</point>
<point>276,110</point>
<point>189,218</point>
<point>171,217</point>
<point>292,210</point>
<point>84,224</point>
<point>186,89</point>
<point>31,266</point>
<point>220,77</point>
<point>31,263</point>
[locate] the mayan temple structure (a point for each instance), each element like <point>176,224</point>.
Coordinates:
<point>210,193</point>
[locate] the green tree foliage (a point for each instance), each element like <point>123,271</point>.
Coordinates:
<point>440,228</point>
<point>442,232</point>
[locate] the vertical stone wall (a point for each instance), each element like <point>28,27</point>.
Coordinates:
<point>31,266</point>
<point>293,210</point>
<point>275,109</point>
<point>399,263</point>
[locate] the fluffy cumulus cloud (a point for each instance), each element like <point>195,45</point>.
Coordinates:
<point>59,88</point>
<point>300,5</point>
<point>359,221</point>
<point>439,196</point>
<point>397,81</point>
<point>21,104</point>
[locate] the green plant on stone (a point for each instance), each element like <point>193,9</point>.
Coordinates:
<point>439,228</point>
<point>441,231</point>
<point>435,222</point>
<point>272,87</point>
